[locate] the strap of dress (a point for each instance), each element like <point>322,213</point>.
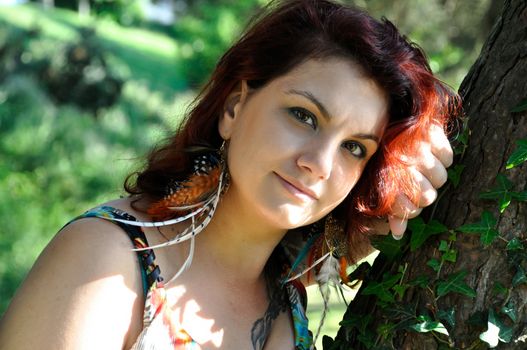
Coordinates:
<point>150,271</point>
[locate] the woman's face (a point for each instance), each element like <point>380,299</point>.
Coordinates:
<point>298,145</point>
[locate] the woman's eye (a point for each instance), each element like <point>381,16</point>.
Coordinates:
<point>304,116</point>
<point>356,149</point>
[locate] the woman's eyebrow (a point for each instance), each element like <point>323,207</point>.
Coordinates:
<point>325,112</point>
<point>313,99</point>
<point>368,137</point>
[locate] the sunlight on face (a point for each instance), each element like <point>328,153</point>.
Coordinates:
<point>298,145</point>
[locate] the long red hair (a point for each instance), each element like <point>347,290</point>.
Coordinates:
<point>286,34</point>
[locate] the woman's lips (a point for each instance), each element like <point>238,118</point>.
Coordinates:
<point>298,190</point>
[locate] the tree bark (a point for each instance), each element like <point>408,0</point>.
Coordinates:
<point>496,84</point>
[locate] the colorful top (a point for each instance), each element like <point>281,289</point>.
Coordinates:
<point>160,330</point>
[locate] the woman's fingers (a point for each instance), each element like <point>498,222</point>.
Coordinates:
<point>397,226</point>
<point>429,171</point>
<point>440,146</point>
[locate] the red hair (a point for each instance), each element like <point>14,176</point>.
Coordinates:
<point>286,34</point>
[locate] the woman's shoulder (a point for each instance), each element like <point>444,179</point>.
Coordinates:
<point>86,281</point>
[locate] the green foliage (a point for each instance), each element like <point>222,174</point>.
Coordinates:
<point>455,284</point>
<point>389,246</point>
<point>485,227</point>
<point>383,289</point>
<point>58,160</point>
<point>206,32</point>
<point>519,155</point>
<point>426,324</point>
<point>392,286</point>
<point>496,331</point>
<point>521,107</point>
<point>421,231</point>
<point>454,174</point>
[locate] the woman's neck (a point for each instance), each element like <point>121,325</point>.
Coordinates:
<point>237,243</point>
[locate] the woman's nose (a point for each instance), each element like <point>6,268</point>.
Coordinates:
<point>318,159</point>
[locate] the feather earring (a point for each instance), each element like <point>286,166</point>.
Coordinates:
<point>329,274</point>
<point>194,198</point>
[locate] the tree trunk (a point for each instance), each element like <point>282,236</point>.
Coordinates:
<point>496,84</point>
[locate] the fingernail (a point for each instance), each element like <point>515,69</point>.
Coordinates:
<point>397,237</point>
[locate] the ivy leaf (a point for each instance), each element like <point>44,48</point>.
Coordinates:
<point>502,192</point>
<point>455,283</point>
<point>421,281</point>
<point>514,244</point>
<point>450,255</point>
<point>521,107</point>
<point>390,247</point>
<point>434,264</point>
<point>400,289</point>
<point>519,277</point>
<point>421,231</point>
<point>448,315</point>
<point>509,311</point>
<point>426,324</point>
<point>462,138</point>
<point>454,174</point>
<point>519,155</point>
<point>357,321</point>
<point>519,196</point>
<point>443,246</point>
<point>496,331</point>
<point>499,288</point>
<point>382,289</point>
<point>485,227</point>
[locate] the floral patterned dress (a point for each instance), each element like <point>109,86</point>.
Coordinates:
<point>161,331</point>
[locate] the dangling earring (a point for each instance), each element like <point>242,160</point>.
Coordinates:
<point>333,270</point>
<point>194,198</point>
<point>198,189</point>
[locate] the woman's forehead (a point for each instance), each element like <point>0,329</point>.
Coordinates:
<point>339,85</point>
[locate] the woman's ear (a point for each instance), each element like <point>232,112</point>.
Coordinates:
<point>232,109</point>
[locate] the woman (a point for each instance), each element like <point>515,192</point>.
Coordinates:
<point>319,121</point>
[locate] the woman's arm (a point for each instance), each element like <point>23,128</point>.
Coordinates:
<point>84,292</point>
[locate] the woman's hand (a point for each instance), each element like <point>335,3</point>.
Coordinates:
<point>429,169</point>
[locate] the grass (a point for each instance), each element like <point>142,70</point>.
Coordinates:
<point>143,54</point>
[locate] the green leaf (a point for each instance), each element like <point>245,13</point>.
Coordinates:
<point>451,255</point>
<point>519,277</point>
<point>382,289</point>
<point>502,192</point>
<point>360,322</point>
<point>443,246</point>
<point>384,330</point>
<point>485,227</point>
<point>389,247</point>
<point>510,311</point>
<point>455,283</point>
<point>400,289</point>
<point>519,196</point>
<point>519,155</point>
<point>426,324</point>
<point>421,281</point>
<point>500,288</point>
<point>454,174</point>
<point>434,264</point>
<point>521,107</point>
<point>514,244</point>
<point>448,315</point>
<point>496,331</point>
<point>421,231</point>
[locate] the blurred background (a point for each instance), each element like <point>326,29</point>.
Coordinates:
<point>88,86</point>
